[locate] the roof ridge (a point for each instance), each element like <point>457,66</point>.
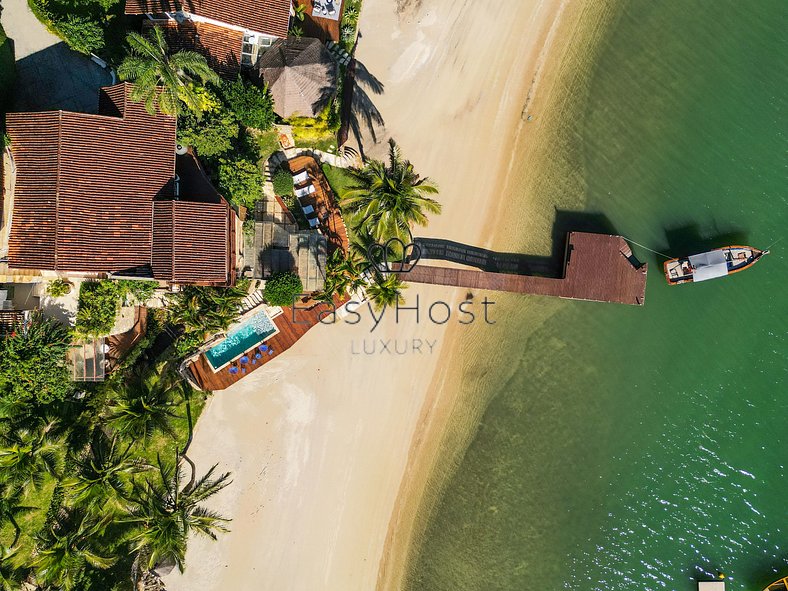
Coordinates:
<point>57,182</point>
<point>174,234</point>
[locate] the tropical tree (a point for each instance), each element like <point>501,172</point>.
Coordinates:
<point>101,478</point>
<point>165,513</point>
<point>386,199</point>
<point>33,362</point>
<point>27,455</point>
<point>386,290</point>
<point>11,576</point>
<point>206,309</point>
<point>11,507</point>
<point>165,79</point>
<point>344,275</point>
<point>70,545</point>
<point>142,405</point>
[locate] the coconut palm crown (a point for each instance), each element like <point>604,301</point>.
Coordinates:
<point>387,199</point>
<point>163,79</point>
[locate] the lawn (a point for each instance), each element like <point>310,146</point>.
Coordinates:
<point>339,179</point>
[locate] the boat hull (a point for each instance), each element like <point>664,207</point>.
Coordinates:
<point>716,263</point>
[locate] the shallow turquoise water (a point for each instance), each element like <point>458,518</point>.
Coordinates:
<point>638,449</point>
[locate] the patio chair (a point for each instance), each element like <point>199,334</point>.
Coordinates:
<point>308,209</point>
<point>301,177</point>
<point>303,192</point>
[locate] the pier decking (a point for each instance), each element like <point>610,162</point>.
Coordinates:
<point>598,267</point>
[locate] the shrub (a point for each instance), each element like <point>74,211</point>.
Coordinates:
<point>211,136</point>
<point>251,104</point>
<point>140,290</point>
<point>99,302</point>
<point>81,33</point>
<point>240,181</point>
<point>33,362</point>
<point>57,288</point>
<point>282,288</point>
<point>283,182</point>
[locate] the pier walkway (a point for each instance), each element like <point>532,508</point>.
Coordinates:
<point>597,267</point>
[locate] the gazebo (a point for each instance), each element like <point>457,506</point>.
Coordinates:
<point>300,74</point>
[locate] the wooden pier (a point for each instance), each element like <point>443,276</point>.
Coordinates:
<point>597,267</point>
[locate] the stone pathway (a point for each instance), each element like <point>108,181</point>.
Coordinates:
<point>49,75</point>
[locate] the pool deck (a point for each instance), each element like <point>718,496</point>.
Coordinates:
<point>291,328</point>
<point>598,268</point>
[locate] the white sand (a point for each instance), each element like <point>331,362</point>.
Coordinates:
<point>318,441</point>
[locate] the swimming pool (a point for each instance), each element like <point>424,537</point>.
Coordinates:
<point>250,333</point>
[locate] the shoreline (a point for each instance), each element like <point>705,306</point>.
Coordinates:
<point>322,468</point>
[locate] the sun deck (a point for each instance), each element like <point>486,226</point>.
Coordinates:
<point>323,201</point>
<point>598,267</point>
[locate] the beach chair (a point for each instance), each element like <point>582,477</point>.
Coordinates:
<point>308,209</point>
<point>301,177</point>
<point>303,192</point>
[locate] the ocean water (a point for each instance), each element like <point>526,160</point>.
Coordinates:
<point>641,448</point>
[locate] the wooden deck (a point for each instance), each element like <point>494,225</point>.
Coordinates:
<point>329,215</point>
<point>121,344</point>
<point>598,267</point>
<point>325,29</point>
<point>291,328</point>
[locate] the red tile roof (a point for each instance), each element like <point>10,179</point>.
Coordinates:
<point>85,189</point>
<point>271,17</point>
<point>220,46</point>
<point>190,242</point>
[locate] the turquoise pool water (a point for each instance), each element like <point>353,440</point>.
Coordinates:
<point>246,336</point>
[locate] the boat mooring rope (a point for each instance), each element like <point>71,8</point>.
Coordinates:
<point>667,256</point>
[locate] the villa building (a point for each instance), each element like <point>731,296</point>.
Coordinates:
<point>106,195</point>
<point>231,34</point>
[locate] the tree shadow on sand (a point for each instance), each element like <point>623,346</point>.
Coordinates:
<point>359,113</point>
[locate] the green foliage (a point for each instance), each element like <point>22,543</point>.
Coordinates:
<point>349,25</point>
<point>267,143</point>
<point>282,288</point>
<point>188,342</point>
<point>166,512</point>
<point>385,290</point>
<point>99,303</point>
<point>240,180</point>
<point>296,31</point>
<point>339,179</point>
<point>82,33</point>
<point>33,363</point>
<point>162,79</point>
<point>317,133</point>
<point>344,275</point>
<point>283,182</point>
<point>252,105</point>
<point>26,455</point>
<point>57,288</point>
<point>206,310</point>
<point>387,199</point>
<point>212,135</point>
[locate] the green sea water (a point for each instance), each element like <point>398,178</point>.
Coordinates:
<point>633,448</point>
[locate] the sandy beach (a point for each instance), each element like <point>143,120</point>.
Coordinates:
<point>320,440</point>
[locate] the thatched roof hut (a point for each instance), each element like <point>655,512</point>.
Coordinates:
<point>301,75</point>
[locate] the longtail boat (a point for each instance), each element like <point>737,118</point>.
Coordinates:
<point>710,265</point>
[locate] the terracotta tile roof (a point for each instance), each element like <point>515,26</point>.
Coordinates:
<point>220,46</point>
<point>190,241</point>
<point>85,191</point>
<point>85,185</point>
<point>271,17</point>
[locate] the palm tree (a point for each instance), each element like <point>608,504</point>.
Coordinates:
<point>101,475</point>
<point>64,551</point>
<point>27,455</point>
<point>166,512</point>
<point>164,79</point>
<point>206,309</point>
<point>11,576</point>
<point>11,507</point>
<point>344,275</point>
<point>142,405</point>
<point>386,290</point>
<point>385,200</point>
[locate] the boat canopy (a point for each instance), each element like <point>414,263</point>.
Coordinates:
<point>709,265</point>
